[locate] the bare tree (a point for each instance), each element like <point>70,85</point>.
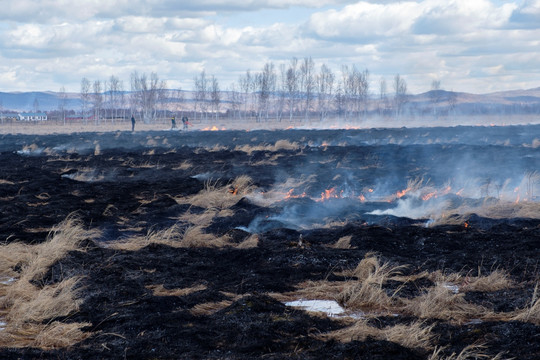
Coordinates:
<point>113,96</point>
<point>246,86</point>
<point>85,97</point>
<point>307,83</point>
<point>281,92</point>
<point>235,101</point>
<point>177,98</point>
<point>325,88</point>
<point>292,86</point>
<point>201,91</point>
<point>62,102</point>
<point>383,99</point>
<point>215,95</point>
<point>97,98</point>
<point>265,85</point>
<point>145,94</point>
<point>400,94</point>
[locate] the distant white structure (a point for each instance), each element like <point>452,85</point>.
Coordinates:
<point>32,116</point>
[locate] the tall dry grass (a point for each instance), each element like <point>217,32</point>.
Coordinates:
<point>29,310</point>
<point>173,236</point>
<point>415,335</point>
<point>220,198</point>
<point>441,302</point>
<point>472,352</point>
<point>530,313</point>
<point>278,145</point>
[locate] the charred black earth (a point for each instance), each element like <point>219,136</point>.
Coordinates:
<point>399,193</point>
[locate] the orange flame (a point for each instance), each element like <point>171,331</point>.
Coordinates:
<point>426,197</point>
<point>330,194</point>
<point>290,195</point>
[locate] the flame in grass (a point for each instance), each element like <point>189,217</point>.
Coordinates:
<point>290,195</point>
<point>213,128</point>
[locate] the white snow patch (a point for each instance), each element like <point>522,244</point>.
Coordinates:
<point>7,281</point>
<point>452,287</point>
<point>329,307</point>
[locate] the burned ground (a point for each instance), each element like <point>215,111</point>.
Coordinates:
<point>372,192</point>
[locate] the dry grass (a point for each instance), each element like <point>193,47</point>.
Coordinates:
<point>210,307</point>
<point>195,237</point>
<point>532,312</point>
<point>184,165</point>
<point>343,243</point>
<point>27,307</point>
<point>204,219</point>
<point>160,290</point>
<point>175,237</point>
<point>440,302</point>
<point>279,145</point>
<point>496,280</point>
<point>250,242</point>
<point>6,182</point>
<point>220,198</point>
<point>415,335</point>
<point>473,352</point>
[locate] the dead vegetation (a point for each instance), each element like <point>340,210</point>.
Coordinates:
<point>173,236</point>
<point>279,145</point>
<point>218,197</point>
<point>160,290</point>
<point>414,335</point>
<point>30,310</point>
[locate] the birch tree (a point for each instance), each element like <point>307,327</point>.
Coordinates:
<point>400,94</point>
<point>97,98</point>
<point>215,95</point>
<point>85,97</point>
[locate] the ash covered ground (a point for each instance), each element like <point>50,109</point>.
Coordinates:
<point>282,216</point>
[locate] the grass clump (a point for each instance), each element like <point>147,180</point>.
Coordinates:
<point>30,310</point>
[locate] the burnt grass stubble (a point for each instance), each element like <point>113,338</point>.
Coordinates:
<point>128,321</point>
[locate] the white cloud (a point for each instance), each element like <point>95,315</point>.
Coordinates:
<point>364,20</point>
<point>51,43</point>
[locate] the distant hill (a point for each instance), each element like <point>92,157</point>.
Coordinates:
<point>46,101</point>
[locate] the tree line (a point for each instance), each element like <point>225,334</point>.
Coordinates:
<point>295,90</point>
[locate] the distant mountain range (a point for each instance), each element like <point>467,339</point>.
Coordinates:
<point>516,101</point>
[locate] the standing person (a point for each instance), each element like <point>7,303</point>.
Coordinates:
<point>173,123</point>
<point>132,123</point>
<point>185,122</point>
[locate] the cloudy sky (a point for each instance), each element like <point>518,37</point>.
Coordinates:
<point>476,46</point>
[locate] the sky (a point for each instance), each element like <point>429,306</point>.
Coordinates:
<point>476,46</point>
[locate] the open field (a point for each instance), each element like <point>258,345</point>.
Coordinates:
<point>313,244</point>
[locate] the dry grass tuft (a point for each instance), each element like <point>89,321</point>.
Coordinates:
<point>195,237</point>
<point>28,304</point>
<point>160,290</point>
<point>175,237</point>
<point>440,302</point>
<point>26,307</point>
<point>370,269</point>
<point>279,145</point>
<point>532,312</point>
<point>210,307</point>
<point>472,352</point>
<point>496,280</point>
<point>343,243</point>
<point>415,335</point>
<point>185,165</point>
<point>250,242</point>
<point>220,198</point>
